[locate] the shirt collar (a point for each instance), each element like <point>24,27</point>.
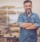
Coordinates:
<point>26,13</point>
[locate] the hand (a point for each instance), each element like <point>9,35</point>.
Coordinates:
<point>31,27</point>
<point>25,25</point>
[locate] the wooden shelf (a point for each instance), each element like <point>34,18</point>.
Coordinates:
<point>12,35</point>
<point>8,7</point>
<point>11,12</point>
<point>14,28</point>
<point>2,12</point>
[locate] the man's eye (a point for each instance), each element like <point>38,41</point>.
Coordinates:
<point>26,6</point>
<point>29,5</point>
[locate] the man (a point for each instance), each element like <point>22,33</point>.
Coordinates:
<point>28,22</point>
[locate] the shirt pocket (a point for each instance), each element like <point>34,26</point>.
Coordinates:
<point>25,19</point>
<point>33,20</point>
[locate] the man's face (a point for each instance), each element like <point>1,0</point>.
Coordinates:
<point>28,7</point>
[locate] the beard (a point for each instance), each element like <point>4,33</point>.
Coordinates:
<point>28,11</point>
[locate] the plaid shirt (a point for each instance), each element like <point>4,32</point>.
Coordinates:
<point>28,35</point>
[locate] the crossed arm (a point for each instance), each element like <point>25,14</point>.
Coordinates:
<point>28,26</point>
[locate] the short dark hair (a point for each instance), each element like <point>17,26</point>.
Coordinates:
<point>26,1</point>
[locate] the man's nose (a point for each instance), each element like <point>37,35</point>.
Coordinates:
<point>28,7</point>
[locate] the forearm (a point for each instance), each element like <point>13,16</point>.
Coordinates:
<point>25,25</point>
<point>31,27</point>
